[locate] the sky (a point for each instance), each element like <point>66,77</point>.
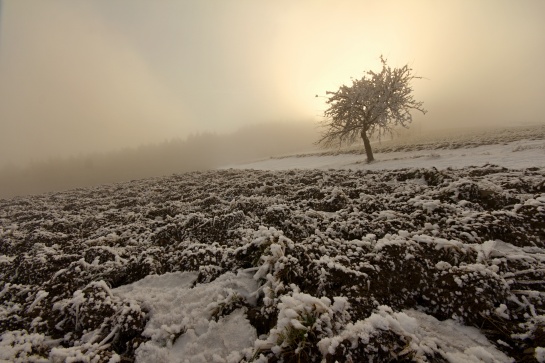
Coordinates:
<point>83,76</point>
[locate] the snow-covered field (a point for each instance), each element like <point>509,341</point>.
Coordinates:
<point>419,256</point>
<point>514,154</point>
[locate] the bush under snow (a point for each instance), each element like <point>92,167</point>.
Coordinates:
<point>238,266</point>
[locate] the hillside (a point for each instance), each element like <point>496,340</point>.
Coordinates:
<point>512,147</point>
<point>407,264</point>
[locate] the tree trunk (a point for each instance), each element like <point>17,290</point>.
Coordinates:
<point>367,145</point>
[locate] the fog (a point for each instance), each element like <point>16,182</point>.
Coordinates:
<point>97,77</point>
<point>196,152</point>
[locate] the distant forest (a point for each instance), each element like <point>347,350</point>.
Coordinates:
<point>196,152</point>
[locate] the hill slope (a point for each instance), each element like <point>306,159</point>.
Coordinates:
<point>299,265</point>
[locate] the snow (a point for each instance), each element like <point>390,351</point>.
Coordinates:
<point>13,344</point>
<point>181,325</point>
<point>424,334</point>
<point>516,154</point>
<point>222,341</point>
<point>540,354</point>
<point>176,307</point>
<point>459,343</point>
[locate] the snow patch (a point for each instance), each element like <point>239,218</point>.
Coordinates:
<point>182,325</point>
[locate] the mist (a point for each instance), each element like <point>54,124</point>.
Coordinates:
<point>200,151</point>
<point>81,78</point>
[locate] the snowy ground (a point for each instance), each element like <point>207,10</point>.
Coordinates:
<point>428,260</point>
<point>516,154</point>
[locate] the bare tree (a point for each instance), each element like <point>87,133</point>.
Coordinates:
<point>374,104</point>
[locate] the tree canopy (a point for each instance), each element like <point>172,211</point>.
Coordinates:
<point>374,104</point>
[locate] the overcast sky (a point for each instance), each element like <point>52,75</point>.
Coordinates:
<point>79,76</point>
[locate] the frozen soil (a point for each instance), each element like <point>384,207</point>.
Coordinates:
<point>420,265</point>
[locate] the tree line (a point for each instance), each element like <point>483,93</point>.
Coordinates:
<point>207,150</point>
